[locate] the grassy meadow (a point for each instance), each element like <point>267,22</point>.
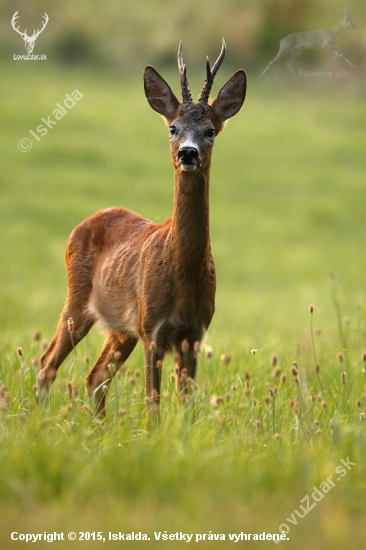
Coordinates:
<point>288,231</point>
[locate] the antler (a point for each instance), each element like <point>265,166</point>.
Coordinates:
<point>187,98</point>
<point>211,73</point>
<point>37,33</point>
<point>13,21</point>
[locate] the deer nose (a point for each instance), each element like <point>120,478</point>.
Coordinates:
<point>188,155</point>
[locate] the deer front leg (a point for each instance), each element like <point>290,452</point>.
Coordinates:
<point>153,371</point>
<point>185,367</point>
<point>115,353</point>
<point>340,54</point>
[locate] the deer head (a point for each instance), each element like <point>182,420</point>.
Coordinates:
<point>29,40</point>
<point>194,126</point>
<point>347,21</point>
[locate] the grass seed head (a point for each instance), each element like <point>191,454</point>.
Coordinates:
<point>216,400</point>
<point>70,325</point>
<point>111,367</point>
<point>343,377</point>
<point>117,356</point>
<point>274,359</point>
<point>185,346</point>
<point>276,372</point>
<point>69,390</point>
<point>20,352</point>
<point>37,335</point>
<point>283,379</point>
<point>226,358</point>
<point>85,408</point>
<point>208,352</point>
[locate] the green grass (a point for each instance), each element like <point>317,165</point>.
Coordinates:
<point>287,206</point>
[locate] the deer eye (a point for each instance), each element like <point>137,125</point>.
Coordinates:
<point>173,129</point>
<point>210,133</point>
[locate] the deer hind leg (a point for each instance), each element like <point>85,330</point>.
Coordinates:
<point>281,52</point>
<point>338,53</point>
<point>294,55</point>
<point>67,336</point>
<point>115,353</point>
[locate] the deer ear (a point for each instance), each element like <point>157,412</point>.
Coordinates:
<point>159,94</point>
<point>231,97</point>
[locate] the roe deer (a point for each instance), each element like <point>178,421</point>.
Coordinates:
<point>297,42</point>
<point>143,280</point>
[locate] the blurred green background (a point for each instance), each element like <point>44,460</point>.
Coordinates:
<point>287,206</point>
<point>287,181</point>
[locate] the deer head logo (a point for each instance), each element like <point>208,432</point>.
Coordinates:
<point>28,40</point>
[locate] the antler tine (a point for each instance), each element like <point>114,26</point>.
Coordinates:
<point>211,73</point>
<point>187,98</point>
<point>38,32</point>
<point>219,60</point>
<point>14,20</point>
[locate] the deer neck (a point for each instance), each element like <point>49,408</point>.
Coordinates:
<point>190,233</point>
<point>338,29</point>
